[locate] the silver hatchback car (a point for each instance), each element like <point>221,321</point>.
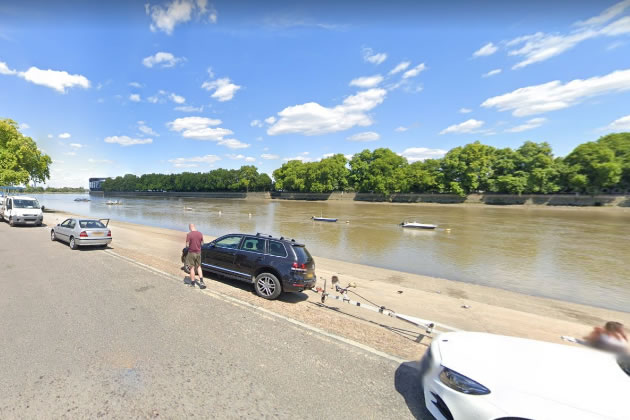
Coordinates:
<point>82,232</point>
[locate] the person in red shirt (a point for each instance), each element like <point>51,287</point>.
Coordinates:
<point>194,240</point>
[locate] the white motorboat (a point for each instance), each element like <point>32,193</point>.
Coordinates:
<point>113,203</point>
<point>417,225</point>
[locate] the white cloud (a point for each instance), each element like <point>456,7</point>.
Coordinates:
<point>192,123</point>
<point>194,161</point>
<point>469,126</point>
<point>145,129</point>
<point>134,97</point>
<point>153,99</point>
<point>256,123</point>
<point>486,50</point>
<point>233,144</point>
<point>241,157</point>
<point>414,71</point>
<point>401,129</point>
<point>528,125</point>
<point>4,69</point>
<point>491,73</point>
<point>313,119</point>
<point>538,47</point>
<point>54,79</point>
<point>57,80</point>
<point>465,110</point>
<point>367,81</point>
<point>375,58</point>
<point>135,84</point>
<point>127,141</point>
<point>400,67</point>
<point>107,161</point>
<point>189,108</point>
<point>24,126</point>
<point>414,154</point>
<point>224,89</point>
<point>200,128</point>
<point>165,18</point>
<point>76,145</point>
<point>270,120</point>
<point>163,59</point>
<point>176,98</point>
<point>608,14</point>
<point>301,157</point>
<point>64,136</point>
<point>269,156</point>
<point>364,137</point>
<point>555,95</point>
<point>620,124</point>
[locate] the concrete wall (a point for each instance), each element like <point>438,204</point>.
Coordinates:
<point>489,199</point>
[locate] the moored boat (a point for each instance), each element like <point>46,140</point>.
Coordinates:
<point>112,203</point>
<point>323,219</point>
<point>417,225</point>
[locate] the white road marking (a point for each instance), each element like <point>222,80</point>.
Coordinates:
<point>226,298</point>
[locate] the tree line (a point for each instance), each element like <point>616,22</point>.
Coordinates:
<point>591,167</point>
<point>245,179</point>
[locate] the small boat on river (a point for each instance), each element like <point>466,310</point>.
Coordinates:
<point>323,219</point>
<point>81,199</point>
<point>113,203</point>
<point>416,225</point>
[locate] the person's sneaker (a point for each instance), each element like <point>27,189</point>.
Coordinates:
<point>202,285</point>
<point>192,284</point>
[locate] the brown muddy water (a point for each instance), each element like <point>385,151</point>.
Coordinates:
<point>576,254</point>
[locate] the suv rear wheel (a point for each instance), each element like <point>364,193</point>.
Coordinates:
<point>267,286</point>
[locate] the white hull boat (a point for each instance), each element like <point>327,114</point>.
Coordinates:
<point>416,225</point>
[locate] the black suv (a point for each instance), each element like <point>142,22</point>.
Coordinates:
<point>272,265</point>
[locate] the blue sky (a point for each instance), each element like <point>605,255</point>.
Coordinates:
<point>108,88</point>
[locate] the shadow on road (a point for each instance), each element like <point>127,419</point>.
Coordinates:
<point>408,383</point>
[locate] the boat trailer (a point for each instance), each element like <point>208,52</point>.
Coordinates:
<point>428,326</point>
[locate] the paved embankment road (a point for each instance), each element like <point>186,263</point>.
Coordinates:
<point>87,334</point>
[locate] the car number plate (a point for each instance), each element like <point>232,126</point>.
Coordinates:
<point>97,233</point>
<point>309,275</point>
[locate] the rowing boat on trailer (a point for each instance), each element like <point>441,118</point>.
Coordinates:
<point>417,225</point>
<point>323,219</point>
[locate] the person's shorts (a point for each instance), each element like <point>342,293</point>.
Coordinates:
<point>193,260</point>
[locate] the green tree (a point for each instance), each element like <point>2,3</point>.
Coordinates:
<point>597,164</point>
<point>20,159</point>
<point>619,143</point>
<point>381,171</point>
<point>469,168</point>
<point>424,176</point>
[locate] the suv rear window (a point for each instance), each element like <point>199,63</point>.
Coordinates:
<point>302,253</point>
<point>277,249</point>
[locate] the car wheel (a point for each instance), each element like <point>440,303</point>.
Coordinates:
<point>73,244</point>
<point>267,286</point>
<point>11,222</point>
<point>52,236</point>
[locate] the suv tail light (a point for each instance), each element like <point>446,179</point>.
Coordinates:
<point>109,233</point>
<point>83,234</point>
<point>298,267</point>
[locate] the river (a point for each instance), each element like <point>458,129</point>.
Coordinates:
<point>580,255</point>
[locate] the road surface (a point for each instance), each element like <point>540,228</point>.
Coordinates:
<point>87,334</point>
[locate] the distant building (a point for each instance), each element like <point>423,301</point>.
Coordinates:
<point>96,184</point>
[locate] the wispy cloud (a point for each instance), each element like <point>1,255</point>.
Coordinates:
<point>145,129</point>
<point>166,18</point>
<point>555,95</point>
<point>201,128</point>
<point>127,141</point>
<point>491,73</point>
<point>414,71</point>
<point>414,154</point>
<point>364,137</point>
<point>620,124</point>
<point>469,126</point>
<point>372,57</point>
<point>224,89</point>
<point>54,79</point>
<point>528,125</point>
<point>400,67</point>
<point>486,50</point>
<point>162,59</point>
<point>367,81</point>
<point>192,162</point>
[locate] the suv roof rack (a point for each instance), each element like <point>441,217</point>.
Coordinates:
<point>264,234</point>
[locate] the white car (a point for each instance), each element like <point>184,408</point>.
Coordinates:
<point>481,376</point>
<point>21,210</point>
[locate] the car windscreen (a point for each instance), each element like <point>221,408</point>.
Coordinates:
<point>25,204</point>
<point>91,224</point>
<point>302,253</point>
<point>624,363</point>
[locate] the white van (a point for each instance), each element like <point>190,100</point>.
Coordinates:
<point>18,209</point>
